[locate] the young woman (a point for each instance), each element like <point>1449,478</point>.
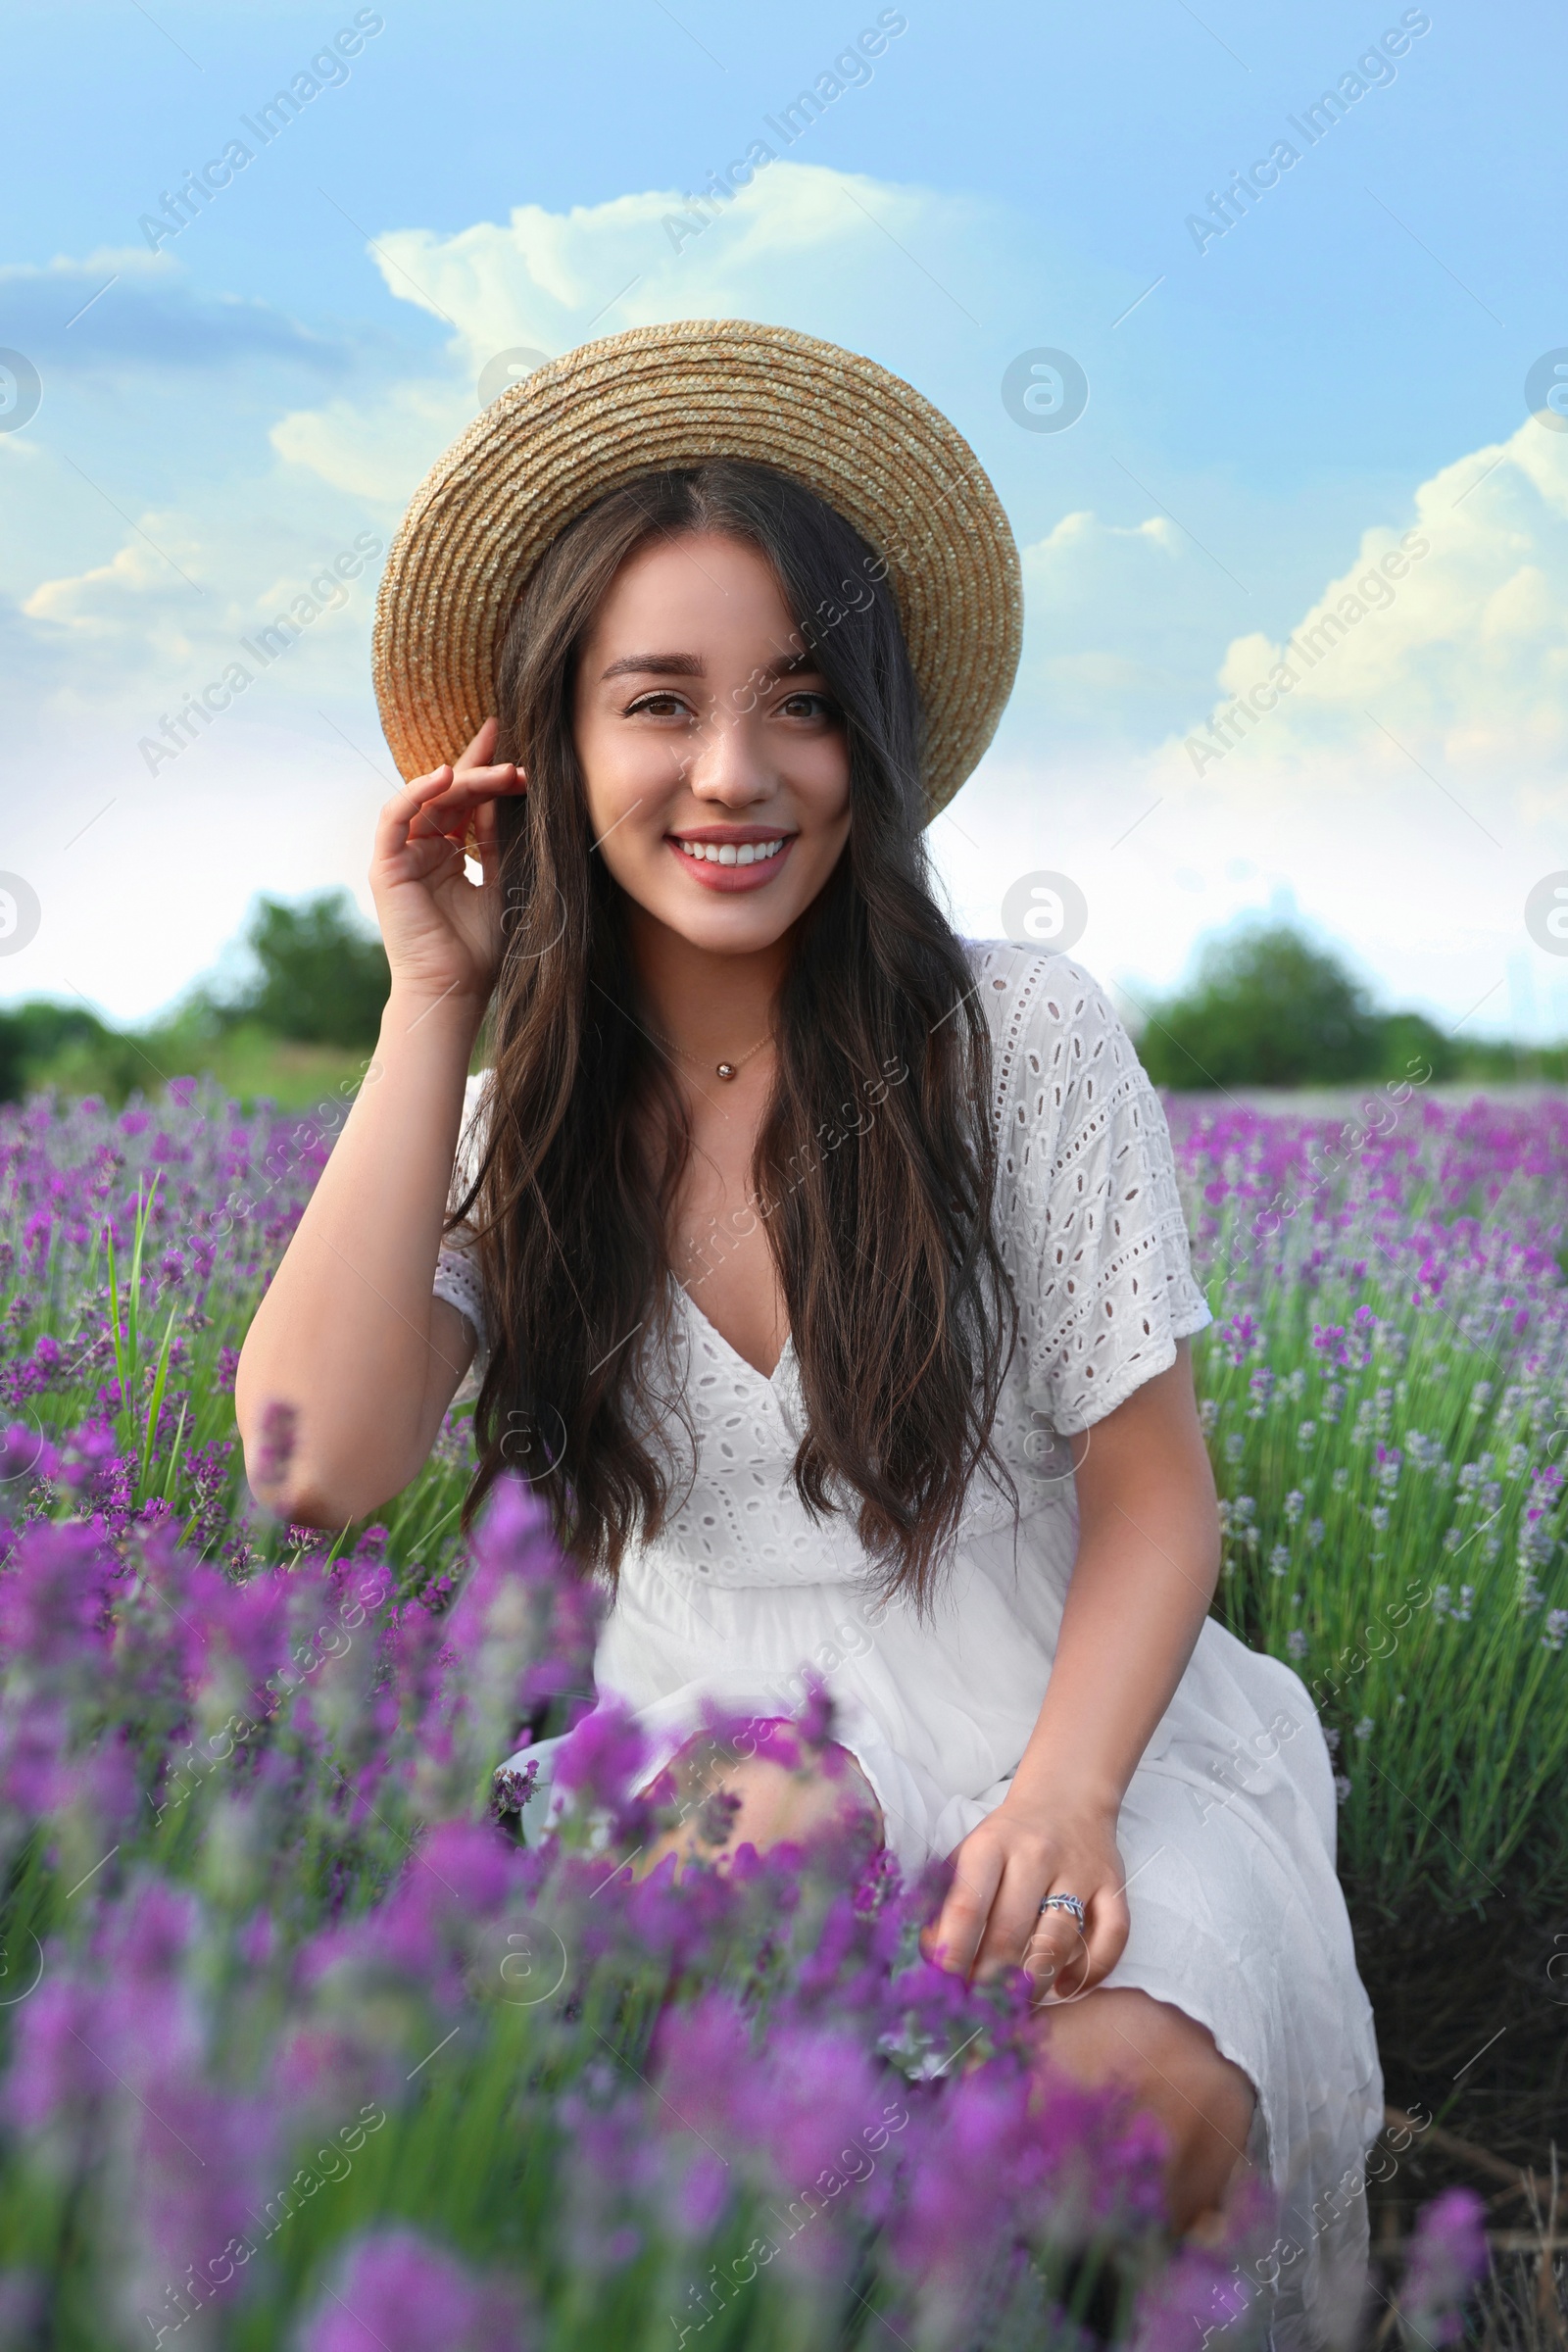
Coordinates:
<point>826,1274</point>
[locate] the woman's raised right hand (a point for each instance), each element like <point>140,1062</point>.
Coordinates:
<point>443,932</point>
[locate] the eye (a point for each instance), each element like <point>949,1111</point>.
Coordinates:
<point>660,705</point>
<point>807,703</point>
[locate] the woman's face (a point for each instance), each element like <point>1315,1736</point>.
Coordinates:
<point>716,764</point>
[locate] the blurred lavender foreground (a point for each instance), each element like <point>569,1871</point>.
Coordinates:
<point>302,2045</point>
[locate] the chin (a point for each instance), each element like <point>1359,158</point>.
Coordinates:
<point>729,927</point>
<point>727,922</point>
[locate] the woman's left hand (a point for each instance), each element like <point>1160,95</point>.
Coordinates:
<point>1003,1871</point>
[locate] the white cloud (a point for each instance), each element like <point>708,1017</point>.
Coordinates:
<point>1463,660</point>
<point>1117,628</point>
<point>554,279</point>
<point>165,612</point>
<point>378,451</point>
<point>801,246</point>
<point>1456,808</point>
<point>96,601</point>
<point>1402,796</point>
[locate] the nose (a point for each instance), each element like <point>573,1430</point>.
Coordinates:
<point>728,766</point>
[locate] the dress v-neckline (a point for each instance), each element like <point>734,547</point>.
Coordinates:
<point>769,1380</point>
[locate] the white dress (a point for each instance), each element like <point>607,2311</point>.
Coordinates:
<point>1227,1830</point>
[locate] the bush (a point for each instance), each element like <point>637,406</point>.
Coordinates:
<point>318,989</point>
<point>323,980</point>
<point>1269,1008</point>
<point>1409,1038</point>
<point>37,1036</point>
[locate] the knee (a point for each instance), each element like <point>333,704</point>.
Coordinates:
<point>1170,2065</point>
<point>727,1801</point>
<point>1211,2092</point>
<point>779,1804</point>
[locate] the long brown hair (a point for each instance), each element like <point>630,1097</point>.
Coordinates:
<point>899,1308</point>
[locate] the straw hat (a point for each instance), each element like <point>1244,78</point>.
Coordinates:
<point>660,396</point>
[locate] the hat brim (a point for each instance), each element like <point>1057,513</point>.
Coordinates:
<point>551,445</point>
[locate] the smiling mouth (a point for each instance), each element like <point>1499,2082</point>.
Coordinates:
<point>732,853</point>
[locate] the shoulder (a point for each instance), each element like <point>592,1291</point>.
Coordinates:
<point>1057,1040</point>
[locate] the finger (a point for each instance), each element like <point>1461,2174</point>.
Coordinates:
<point>434,857</point>
<point>501,776</point>
<point>484,838</point>
<point>418,810</point>
<point>961,1922</point>
<point>417,790</point>
<point>465,787</point>
<point>1109,1923</point>
<point>1010,1929</point>
<point>483,744</point>
<point>452,809</point>
<point>399,813</point>
<point>1015,1923</point>
<point>1057,1960</point>
<point>470,785</point>
<point>1095,1952</point>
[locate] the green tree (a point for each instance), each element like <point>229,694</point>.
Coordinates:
<point>323,979</point>
<point>1266,1008</point>
<point>37,1033</point>
<point>1409,1038</point>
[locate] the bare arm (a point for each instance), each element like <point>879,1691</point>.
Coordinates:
<point>349,1334</point>
<point>1147,1561</point>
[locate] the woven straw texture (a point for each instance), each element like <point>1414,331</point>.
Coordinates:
<point>549,447</point>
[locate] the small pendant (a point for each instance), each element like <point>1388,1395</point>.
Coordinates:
<point>726,1070</point>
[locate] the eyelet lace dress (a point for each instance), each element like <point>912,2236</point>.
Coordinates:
<point>1227,1830</point>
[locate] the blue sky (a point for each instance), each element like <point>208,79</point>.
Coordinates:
<point>1276,402</point>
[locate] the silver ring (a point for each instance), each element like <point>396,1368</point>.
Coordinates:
<point>1065,1903</point>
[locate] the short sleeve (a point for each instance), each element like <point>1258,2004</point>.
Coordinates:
<point>457,1267</point>
<point>1089,1209</point>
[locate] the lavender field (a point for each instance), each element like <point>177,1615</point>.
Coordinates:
<point>303,2043</point>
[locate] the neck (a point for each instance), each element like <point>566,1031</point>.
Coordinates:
<point>716,1007</point>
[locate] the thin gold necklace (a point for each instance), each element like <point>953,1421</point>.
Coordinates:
<point>723,1069</point>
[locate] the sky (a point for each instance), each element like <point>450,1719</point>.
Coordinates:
<point>1310,421</point>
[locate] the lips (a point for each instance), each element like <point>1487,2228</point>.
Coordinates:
<point>731,851</point>
<point>731,860</point>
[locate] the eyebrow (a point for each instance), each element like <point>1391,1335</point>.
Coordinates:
<point>692,665</point>
<point>658,666</point>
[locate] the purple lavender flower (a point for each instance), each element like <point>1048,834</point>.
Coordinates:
<point>279,1428</point>
<point>599,1761</point>
<point>27,1459</point>
<point>1239,1336</point>
<point>815,1717</point>
<point>55,2069</point>
<point>24,2300</point>
<point>1195,2297</point>
<point>1447,2254</point>
<point>395,2291</point>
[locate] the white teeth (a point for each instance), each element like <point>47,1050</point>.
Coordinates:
<point>727,852</point>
